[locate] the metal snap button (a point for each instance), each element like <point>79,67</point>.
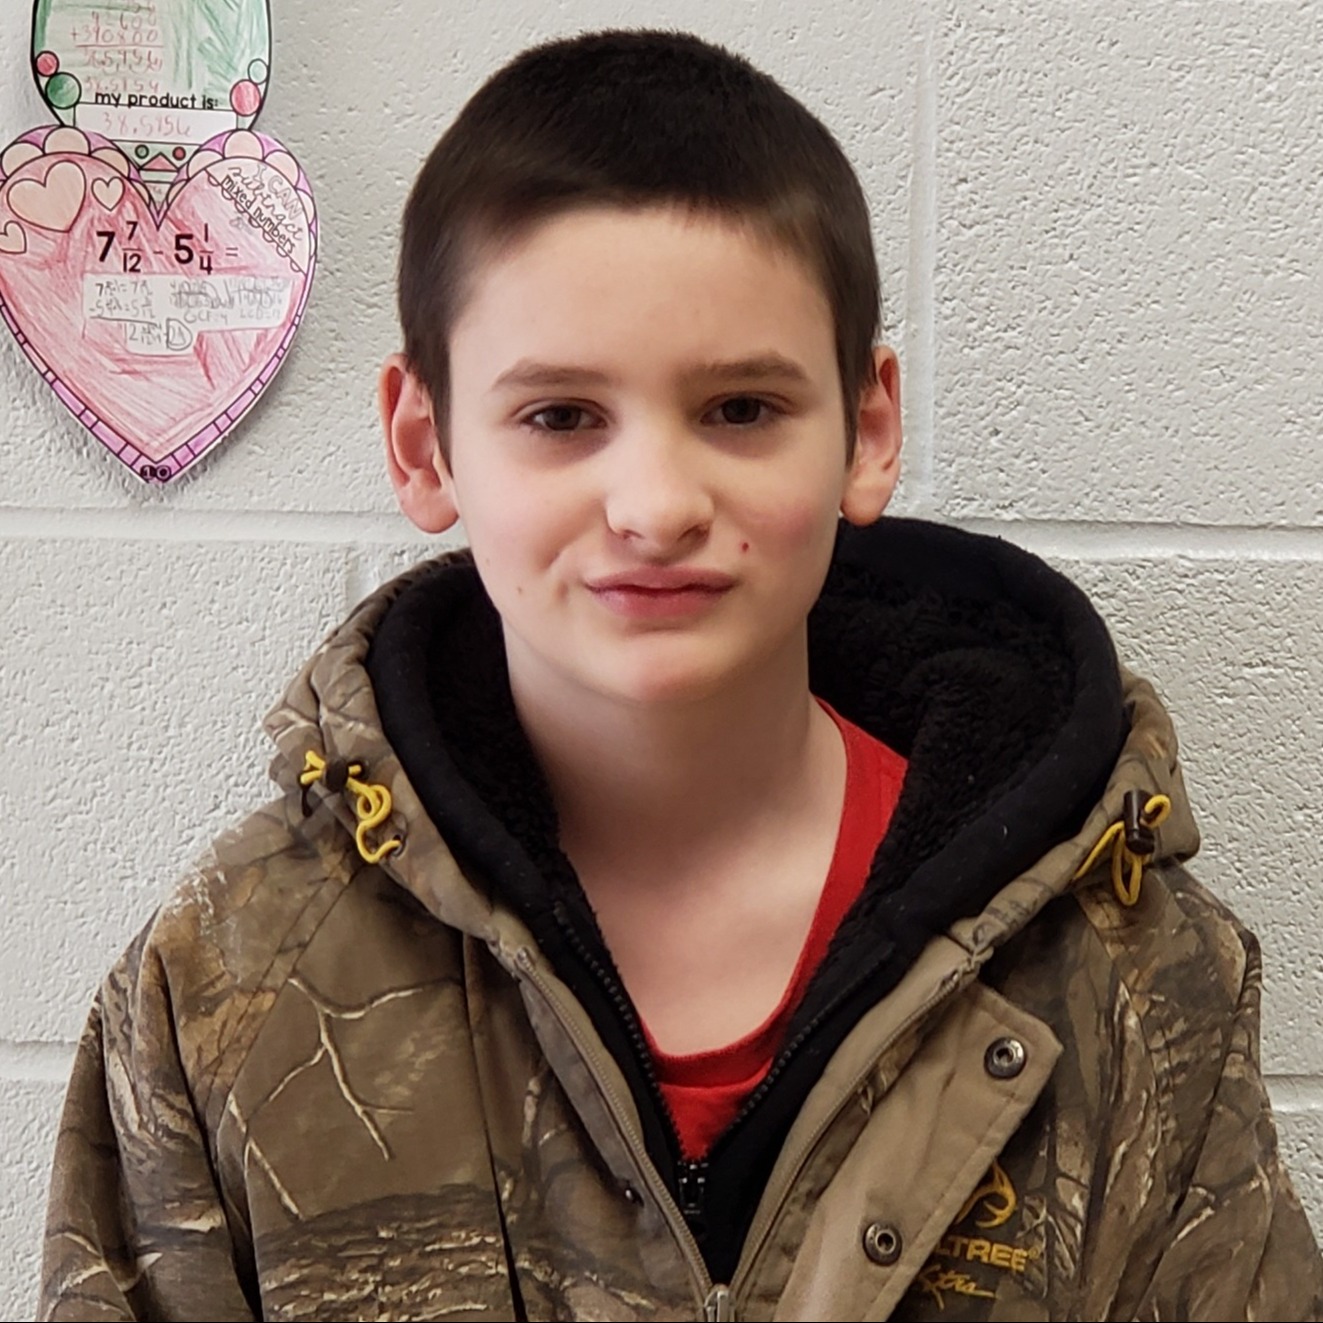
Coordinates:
<point>1005,1058</point>
<point>632,1196</point>
<point>882,1243</point>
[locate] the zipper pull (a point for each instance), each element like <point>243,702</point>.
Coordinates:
<point>719,1307</point>
<point>691,1186</point>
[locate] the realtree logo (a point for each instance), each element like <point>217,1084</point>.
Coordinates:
<point>997,1195</point>
<point>994,1201</point>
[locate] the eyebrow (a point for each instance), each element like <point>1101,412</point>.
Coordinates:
<point>759,369</point>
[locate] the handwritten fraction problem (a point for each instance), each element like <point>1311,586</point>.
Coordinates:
<point>156,250</point>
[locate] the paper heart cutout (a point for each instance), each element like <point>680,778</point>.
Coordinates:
<point>108,192</point>
<point>52,202</point>
<point>13,238</point>
<point>157,356</point>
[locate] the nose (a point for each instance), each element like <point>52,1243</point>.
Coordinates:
<point>658,495</point>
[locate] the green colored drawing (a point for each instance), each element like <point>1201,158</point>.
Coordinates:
<point>163,71</point>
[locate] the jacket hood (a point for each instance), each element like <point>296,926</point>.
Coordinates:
<point>989,671</point>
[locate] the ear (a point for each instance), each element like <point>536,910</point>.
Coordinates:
<point>417,468</point>
<point>875,469</point>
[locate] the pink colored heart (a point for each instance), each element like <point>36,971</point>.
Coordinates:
<point>157,333</point>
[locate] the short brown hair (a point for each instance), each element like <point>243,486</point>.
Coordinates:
<point>633,119</point>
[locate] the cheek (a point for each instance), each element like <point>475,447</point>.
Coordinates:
<point>791,509</point>
<point>790,526</point>
<point>793,537</point>
<point>493,504</point>
<point>517,537</point>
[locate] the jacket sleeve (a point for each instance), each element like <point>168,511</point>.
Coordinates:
<point>1240,1246</point>
<point>136,1228</point>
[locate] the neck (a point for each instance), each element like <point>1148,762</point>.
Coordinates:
<point>637,781</point>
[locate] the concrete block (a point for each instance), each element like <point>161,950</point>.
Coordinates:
<point>29,1120</point>
<point>1300,1135</point>
<point>136,675</point>
<point>1124,268</point>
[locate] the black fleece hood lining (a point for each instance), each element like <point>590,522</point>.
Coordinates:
<point>990,672</point>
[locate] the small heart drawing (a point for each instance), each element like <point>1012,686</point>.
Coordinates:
<point>158,327</point>
<point>54,202</point>
<point>108,192</point>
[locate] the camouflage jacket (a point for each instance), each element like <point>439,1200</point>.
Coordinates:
<point>339,1076</point>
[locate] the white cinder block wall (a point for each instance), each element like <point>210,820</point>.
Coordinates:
<point>1099,228</point>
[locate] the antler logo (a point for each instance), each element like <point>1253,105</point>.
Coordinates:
<point>996,1194</point>
<point>969,1264</point>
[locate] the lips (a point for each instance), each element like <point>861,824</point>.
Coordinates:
<point>661,593</point>
<point>663,580</point>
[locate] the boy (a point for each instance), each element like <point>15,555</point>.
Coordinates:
<point>683,904</point>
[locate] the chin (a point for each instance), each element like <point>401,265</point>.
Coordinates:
<point>658,681</point>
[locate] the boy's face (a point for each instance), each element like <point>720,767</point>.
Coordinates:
<point>642,393</point>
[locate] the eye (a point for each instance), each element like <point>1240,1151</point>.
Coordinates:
<point>742,411</point>
<point>559,418</point>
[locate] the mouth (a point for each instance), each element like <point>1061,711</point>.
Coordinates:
<point>663,580</point>
<point>639,601</point>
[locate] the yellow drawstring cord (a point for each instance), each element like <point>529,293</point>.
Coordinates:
<point>372,803</point>
<point>1133,844</point>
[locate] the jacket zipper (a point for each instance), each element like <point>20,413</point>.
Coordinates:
<point>710,1293</point>
<point>642,1053</point>
<point>719,1307</point>
<point>691,1184</point>
<point>764,1220</point>
<point>691,1176</point>
<point>783,1059</point>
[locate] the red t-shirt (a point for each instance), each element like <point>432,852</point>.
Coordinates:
<point>705,1090</point>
